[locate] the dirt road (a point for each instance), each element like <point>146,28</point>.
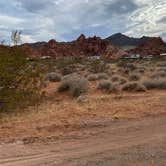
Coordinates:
<point>115,143</point>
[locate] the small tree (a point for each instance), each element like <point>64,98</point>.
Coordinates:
<point>2,42</point>
<point>16,37</point>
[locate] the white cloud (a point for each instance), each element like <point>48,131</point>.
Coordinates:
<point>145,20</point>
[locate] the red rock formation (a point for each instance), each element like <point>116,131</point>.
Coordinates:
<point>31,52</point>
<point>154,46</point>
<point>113,52</point>
<point>80,47</point>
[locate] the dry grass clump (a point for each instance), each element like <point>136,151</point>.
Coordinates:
<point>134,77</point>
<point>102,76</point>
<point>107,86</point>
<point>118,79</point>
<point>161,64</point>
<point>134,87</point>
<point>53,77</point>
<point>155,83</point>
<point>75,84</point>
<point>158,74</point>
<point>98,66</point>
<point>92,77</point>
<point>130,66</point>
<point>161,69</point>
<point>142,69</point>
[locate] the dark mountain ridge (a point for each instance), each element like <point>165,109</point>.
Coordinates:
<point>121,40</point>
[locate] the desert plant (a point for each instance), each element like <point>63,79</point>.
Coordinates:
<point>158,74</point>
<point>16,37</point>
<point>155,83</point>
<point>52,77</point>
<point>75,84</point>
<point>133,87</point>
<point>118,79</point>
<point>92,77</point>
<point>20,80</point>
<point>161,64</point>
<point>107,86</point>
<point>102,76</point>
<point>134,77</point>
<point>97,66</point>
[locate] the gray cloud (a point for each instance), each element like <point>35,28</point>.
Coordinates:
<point>162,20</point>
<point>60,19</point>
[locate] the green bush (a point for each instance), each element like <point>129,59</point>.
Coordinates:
<point>20,80</point>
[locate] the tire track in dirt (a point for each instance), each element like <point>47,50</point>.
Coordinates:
<point>108,138</point>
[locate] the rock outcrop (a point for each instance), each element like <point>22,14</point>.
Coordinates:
<point>82,47</point>
<point>154,46</point>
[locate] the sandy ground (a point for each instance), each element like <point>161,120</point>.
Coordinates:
<point>117,143</point>
<point>100,129</point>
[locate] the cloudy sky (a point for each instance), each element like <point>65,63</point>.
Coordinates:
<point>64,20</point>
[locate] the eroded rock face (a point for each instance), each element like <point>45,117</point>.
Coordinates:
<point>154,46</point>
<point>113,52</point>
<point>81,47</point>
<point>30,51</point>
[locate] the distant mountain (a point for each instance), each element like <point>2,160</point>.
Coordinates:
<point>36,45</point>
<point>121,40</point>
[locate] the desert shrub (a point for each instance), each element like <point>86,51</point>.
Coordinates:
<point>161,64</point>
<point>102,76</point>
<point>130,66</point>
<point>92,77</point>
<point>66,66</point>
<point>133,87</point>
<point>75,84</point>
<point>155,83</point>
<point>52,77</point>
<point>118,79</point>
<point>126,71</point>
<point>141,70</point>
<point>126,64</point>
<point>97,66</point>
<point>107,86</point>
<point>159,74</point>
<point>134,77</point>
<point>20,80</point>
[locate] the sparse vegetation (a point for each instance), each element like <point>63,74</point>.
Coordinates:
<point>133,87</point>
<point>53,77</point>
<point>107,86</point>
<point>75,84</point>
<point>155,83</point>
<point>118,79</point>
<point>134,77</point>
<point>103,76</point>
<point>98,66</point>
<point>92,77</point>
<point>159,74</point>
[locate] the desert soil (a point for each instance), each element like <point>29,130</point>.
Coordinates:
<point>119,130</point>
<point>118,142</point>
